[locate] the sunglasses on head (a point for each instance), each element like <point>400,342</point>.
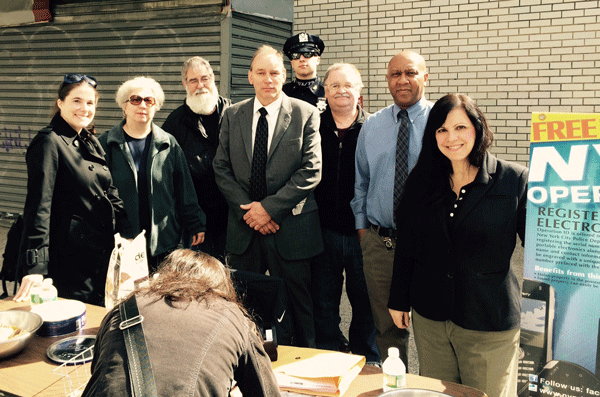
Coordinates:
<point>310,54</point>
<point>136,100</point>
<point>73,78</point>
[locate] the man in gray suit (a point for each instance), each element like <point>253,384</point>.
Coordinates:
<point>267,165</point>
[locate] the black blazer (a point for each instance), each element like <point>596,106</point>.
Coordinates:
<point>465,275</point>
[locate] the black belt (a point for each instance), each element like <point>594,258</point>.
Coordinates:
<point>385,231</point>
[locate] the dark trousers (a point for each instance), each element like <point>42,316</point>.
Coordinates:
<point>262,255</point>
<point>215,236</point>
<point>265,299</point>
<point>342,254</point>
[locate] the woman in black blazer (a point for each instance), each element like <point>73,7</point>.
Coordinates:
<point>458,219</point>
<point>72,209</point>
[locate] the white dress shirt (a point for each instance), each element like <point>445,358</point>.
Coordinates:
<point>272,114</point>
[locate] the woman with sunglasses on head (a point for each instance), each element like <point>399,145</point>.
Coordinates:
<point>72,209</point>
<point>460,213</point>
<point>151,173</point>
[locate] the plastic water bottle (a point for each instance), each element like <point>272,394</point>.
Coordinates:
<point>394,371</point>
<point>42,292</point>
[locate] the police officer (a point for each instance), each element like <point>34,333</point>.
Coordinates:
<point>304,51</point>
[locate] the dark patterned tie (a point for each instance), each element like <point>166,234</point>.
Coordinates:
<point>258,173</point>
<point>401,156</point>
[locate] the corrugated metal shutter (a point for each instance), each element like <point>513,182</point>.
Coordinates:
<point>110,40</point>
<point>248,32</point>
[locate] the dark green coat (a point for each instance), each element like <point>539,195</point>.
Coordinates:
<point>173,201</point>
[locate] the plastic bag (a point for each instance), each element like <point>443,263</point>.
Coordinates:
<point>127,269</point>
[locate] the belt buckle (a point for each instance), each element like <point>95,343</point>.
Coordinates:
<point>389,243</point>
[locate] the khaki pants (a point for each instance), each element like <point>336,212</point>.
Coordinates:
<point>484,360</point>
<point>378,266</point>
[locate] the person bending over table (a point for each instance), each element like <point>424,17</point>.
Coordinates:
<point>462,209</point>
<point>199,337</point>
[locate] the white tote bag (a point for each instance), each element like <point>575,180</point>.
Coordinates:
<point>127,269</point>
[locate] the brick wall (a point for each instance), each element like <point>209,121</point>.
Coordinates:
<point>513,57</point>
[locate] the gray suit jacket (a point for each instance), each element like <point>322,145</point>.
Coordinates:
<point>293,171</point>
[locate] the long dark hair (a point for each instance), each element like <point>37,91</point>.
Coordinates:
<point>430,178</point>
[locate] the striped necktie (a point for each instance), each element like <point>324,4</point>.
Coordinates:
<point>401,156</point>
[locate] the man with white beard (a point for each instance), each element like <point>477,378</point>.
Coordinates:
<point>196,125</point>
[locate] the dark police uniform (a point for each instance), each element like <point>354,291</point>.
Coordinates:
<point>311,91</point>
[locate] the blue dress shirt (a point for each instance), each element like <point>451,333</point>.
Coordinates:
<point>375,162</point>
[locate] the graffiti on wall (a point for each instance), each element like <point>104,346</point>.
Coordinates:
<point>38,57</point>
<point>15,140</point>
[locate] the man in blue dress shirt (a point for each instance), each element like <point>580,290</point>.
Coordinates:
<point>373,203</point>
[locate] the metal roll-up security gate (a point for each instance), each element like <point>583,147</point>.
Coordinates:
<point>249,32</point>
<point>112,42</point>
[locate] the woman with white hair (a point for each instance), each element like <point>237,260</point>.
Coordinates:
<point>150,172</point>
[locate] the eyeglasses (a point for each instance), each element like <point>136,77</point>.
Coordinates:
<point>310,54</point>
<point>337,86</point>
<point>136,100</point>
<point>73,78</point>
<point>204,79</point>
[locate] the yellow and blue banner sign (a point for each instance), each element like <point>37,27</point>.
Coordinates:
<point>560,328</point>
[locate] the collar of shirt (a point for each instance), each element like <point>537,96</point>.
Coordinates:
<point>413,112</point>
<point>272,114</point>
<point>417,115</point>
<point>306,83</point>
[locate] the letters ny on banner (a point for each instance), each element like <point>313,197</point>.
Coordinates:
<point>560,315</point>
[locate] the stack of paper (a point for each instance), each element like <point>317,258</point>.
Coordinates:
<point>316,372</point>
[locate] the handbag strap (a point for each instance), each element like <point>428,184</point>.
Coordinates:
<point>138,361</point>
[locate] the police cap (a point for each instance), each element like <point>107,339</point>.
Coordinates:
<point>303,42</point>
